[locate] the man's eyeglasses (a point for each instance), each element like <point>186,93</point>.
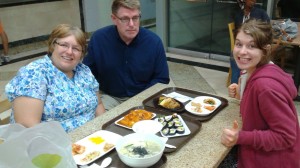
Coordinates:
<point>66,46</point>
<point>126,20</point>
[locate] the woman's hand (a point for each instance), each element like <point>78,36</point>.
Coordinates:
<point>100,108</point>
<point>230,136</point>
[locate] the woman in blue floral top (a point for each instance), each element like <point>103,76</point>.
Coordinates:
<point>58,86</point>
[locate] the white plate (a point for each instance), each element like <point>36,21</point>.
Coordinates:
<point>116,122</point>
<point>200,100</point>
<point>109,137</point>
<point>186,128</point>
<point>147,126</point>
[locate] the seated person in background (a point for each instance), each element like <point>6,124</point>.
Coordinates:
<point>248,11</point>
<point>4,56</point>
<point>126,58</point>
<point>270,133</point>
<point>58,86</point>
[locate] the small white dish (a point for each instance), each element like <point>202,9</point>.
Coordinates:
<point>201,100</point>
<point>90,146</point>
<point>147,126</point>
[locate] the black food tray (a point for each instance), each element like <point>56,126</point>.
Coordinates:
<point>193,125</point>
<point>150,102</point>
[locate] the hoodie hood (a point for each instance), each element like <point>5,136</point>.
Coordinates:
<point>276,75</point>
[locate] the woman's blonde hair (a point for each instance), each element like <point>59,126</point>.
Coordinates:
<point>130,4</point>
<point>261,32</point>
<point>65,30</point>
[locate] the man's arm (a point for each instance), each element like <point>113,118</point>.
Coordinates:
<point>89,59</point>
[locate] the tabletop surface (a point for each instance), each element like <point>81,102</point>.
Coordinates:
<point>203,150</point>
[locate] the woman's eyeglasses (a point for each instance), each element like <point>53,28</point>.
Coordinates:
<point>66,46</point>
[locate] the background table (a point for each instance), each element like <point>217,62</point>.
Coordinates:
<point>296,44</point>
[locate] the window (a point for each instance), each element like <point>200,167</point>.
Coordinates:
<point>7,3</point>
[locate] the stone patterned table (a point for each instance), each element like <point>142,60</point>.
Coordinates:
<point>203,150</point>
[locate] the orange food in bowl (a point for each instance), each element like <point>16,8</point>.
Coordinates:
<point>135,116</point>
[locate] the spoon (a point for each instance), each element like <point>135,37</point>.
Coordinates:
<point>165,139</point>
<point>170,146</point>
<point>104,163</point>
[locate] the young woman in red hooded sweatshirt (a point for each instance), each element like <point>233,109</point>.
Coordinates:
<point>270,133</point>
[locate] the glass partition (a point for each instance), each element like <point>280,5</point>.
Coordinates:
<point>202,26</point>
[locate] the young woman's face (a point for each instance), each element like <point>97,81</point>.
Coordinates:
<point>246,53</point>
<point>67,54</point>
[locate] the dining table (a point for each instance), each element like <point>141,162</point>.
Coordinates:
<point>204,149</point>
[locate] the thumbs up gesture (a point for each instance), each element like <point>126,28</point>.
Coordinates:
<point>235,125</point>
<point>230,135</point>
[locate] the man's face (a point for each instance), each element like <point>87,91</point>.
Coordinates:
<point>127,22</point>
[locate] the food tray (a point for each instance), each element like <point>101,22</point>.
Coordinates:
<point>149,103</point>
<point>119,164</point>
<point>193,125</point>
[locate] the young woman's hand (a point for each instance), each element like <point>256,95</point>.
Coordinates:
<point>230,135</point>
<point>233,90</point>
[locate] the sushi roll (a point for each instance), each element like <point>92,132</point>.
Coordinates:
<point>174,115</point>
<point>178,124</point>
<point>165,124</point>
<point>180,130</point>
<point>176,119</point>
<point>172,131</point>
<point>168,118</point>
<point>166,131</point>
<point>161,119</point>
<point>171,124</point>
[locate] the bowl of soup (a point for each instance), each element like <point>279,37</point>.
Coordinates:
<point>139,149</point>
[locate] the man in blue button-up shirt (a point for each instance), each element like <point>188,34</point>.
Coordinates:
<point>126,58</point>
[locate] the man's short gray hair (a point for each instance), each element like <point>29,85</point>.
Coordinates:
<point>130,4</point>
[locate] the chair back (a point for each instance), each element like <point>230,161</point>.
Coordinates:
<point>231,28</point>
<point>5,105</point>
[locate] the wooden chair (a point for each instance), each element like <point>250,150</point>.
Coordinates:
<point>231,28</point>
<point>4,106</point>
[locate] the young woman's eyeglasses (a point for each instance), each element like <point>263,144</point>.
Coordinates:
<point>66,46</point>
<point>126,20</point>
